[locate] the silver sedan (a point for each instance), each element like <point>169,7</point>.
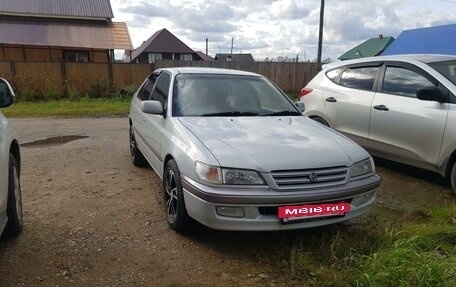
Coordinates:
<point>234,153</point>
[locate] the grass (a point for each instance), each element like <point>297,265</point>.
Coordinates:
<point>419,252</point>
<point>70,108</point>
<point>82,107</point>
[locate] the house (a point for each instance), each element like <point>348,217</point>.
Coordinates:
<point>162,45</point>
<point>204,56</point>
<point>245,58</point>
<point>64,30</point>
<point>430,40</point>
<point>369,48</point>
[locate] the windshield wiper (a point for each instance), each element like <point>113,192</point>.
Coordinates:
<point>283,113</point>
<point>230,114</point>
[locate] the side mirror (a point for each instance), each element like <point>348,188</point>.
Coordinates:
<point>152,107</point>
<point>7,96</point>
<point>431,93</point>
<point>301,106</point>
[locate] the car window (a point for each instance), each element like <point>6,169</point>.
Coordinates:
<point>228,95</point>
<point>160,93</point>
<point>362,78</point>
<point>403,82</point>
<point>146,89</point>
<point>447,69</point>
<point>332,75</point>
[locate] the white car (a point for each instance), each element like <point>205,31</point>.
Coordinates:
<point>234,153</point>
<point>401,108</point>
<point>10,166</point>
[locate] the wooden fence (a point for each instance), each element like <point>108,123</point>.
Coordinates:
<point>63,78</point>
<point>290,77</point>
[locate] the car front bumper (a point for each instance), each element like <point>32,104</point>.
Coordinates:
<point>260,205</point>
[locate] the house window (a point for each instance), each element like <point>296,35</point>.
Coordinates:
<point>186,57</point>
<point>76,56</point>
<point>153,57</point>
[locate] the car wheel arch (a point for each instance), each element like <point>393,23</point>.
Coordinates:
<point>449,164</point>
<point>168,157</point>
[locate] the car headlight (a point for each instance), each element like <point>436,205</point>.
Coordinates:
<point>363,167</point>
<point>217,175</point>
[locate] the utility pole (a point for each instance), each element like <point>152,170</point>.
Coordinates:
<point>320,34</point>
<point>232,41</point>
<point>206,46</point>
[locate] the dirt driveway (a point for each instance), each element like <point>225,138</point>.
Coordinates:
<point>93,219</point>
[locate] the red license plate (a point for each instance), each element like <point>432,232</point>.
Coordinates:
<point>314,210</point>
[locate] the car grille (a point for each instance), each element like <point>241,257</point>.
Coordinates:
<point>306,178</point>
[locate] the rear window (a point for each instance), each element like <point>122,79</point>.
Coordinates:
<point>362,78</point>
<point>333,74</point>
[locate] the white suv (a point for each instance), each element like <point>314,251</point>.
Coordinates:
<point>10,163</point>
<point>402,108</point>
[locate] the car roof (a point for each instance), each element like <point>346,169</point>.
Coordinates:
<point>425,58</point>
<point>204,70</point>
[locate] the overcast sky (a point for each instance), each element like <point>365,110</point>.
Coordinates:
<point>268,28</point>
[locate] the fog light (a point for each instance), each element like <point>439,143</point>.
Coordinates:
<point>230,211</point>
<point>363,199</point>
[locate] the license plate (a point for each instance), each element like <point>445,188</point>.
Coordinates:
<point>308,211</point>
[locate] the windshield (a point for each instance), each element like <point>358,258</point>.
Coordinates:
<point>228,95</point>
<point>447,69</point>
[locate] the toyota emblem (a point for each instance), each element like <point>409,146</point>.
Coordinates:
<point>313,177</point>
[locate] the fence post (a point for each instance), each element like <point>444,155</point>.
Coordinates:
<point>64,79</point>
<point>13,68</point>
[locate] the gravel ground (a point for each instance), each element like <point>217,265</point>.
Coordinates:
<point>93,219</point>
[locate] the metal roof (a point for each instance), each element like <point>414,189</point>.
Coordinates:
<point>204,56</point>
<point>369,48</point>
<point>430,40</point>
<point>112,35</point>
<point>162,41</point>
<point>82,9</point>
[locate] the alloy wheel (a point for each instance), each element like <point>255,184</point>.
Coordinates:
<point>171,196</point>
<point>17,194</point>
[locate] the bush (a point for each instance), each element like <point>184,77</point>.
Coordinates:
<point>101,89</point>
<point>50,92</point>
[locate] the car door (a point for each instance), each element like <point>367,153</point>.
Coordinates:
<point>348,101</point>
<point>137,116</point>
<point>153,124</point>
<point>403,127</point>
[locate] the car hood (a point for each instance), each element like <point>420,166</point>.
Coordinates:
<point>273,143</point>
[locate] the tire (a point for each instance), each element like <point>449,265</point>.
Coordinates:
<point>175,210</point>
<point>137,158</point>
<point>14,208</point>
<point>321,121</point>
<point>453,178</point>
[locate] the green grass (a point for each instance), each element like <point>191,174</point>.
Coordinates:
<point>418,252</point>
<point>82,107</point>
<point>70,108</point>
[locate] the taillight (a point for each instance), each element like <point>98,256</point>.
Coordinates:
<point>305,91</point>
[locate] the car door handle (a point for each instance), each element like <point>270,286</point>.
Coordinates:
<point>381,108</point>
<point>331,100</point>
